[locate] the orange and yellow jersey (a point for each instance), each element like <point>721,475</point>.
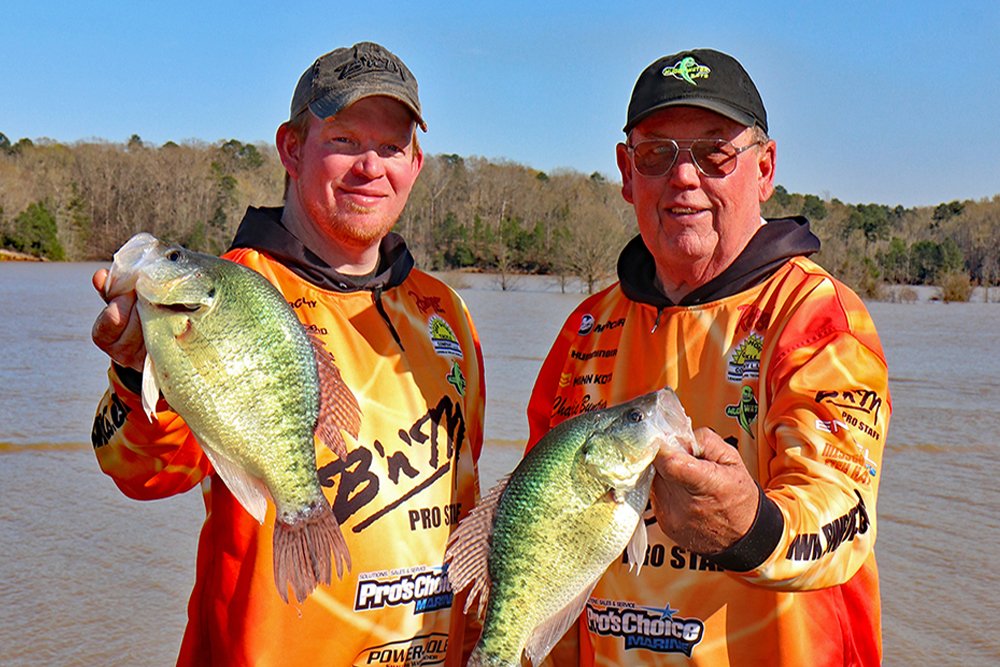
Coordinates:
<point>407,348</point>
<point>784,363</point>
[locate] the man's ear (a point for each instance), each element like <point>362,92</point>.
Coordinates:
<point>289,148</point>
<point>765,170</point>
<point>418,159</point>
<point>625,167</point>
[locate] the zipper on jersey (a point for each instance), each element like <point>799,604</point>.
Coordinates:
<point>377,299</point>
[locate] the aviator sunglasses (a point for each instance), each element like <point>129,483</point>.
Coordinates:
<point>714,158</point>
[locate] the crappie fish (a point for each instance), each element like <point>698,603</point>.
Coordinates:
<point>232,359</point>
<point>535,546</point>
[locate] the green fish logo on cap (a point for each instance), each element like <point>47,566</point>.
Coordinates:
<point>687,69</point>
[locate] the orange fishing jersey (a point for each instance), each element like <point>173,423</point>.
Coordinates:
<point>788,369</point>
<point>410,353</point>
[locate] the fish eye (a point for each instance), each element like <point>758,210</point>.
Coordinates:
<point>634,416</point>
<point>174,255</point>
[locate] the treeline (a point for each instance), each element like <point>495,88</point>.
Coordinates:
<point>81,201</point>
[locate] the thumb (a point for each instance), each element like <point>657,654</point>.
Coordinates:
<point>98,280</point>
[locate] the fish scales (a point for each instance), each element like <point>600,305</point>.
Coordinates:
<point>220,371</point>
<point>232,359</point>
<point>566,512</point>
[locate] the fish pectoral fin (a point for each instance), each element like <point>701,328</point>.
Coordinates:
<point>468,550</point>
<point>636,548</point>
<point>551,631</point>
<point>338,407</point>
<point>150,388</point>
<point>247,489</point>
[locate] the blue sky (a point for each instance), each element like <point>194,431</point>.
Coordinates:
<point>885,102</point>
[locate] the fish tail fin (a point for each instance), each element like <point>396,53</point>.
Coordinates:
<point>303,551</point>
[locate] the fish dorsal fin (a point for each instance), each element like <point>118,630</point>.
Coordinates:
<point>338,407</point>
<point>468,549</point>
<point>636,548</point>
<point>150,388</point>
<point>248,490</point>
<point>551,631</point>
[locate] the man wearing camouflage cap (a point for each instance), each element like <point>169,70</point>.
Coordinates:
<point>407,348</point>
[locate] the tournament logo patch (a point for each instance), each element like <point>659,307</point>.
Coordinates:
<point>745,360</point>
<point>443,338</point>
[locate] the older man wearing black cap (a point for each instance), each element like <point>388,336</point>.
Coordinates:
<point>761,548</point>
<point>404,344</point>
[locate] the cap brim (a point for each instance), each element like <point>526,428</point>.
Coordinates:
<point>331,106</point>
<point>721,108</point>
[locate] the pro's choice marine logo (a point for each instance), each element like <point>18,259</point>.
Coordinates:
<point>651,628</point>
<point>443,338</point>
<point>426,588</point>
<point>745,360</point>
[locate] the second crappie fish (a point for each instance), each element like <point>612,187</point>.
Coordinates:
<point>232,359</point>
<point>536,545</point>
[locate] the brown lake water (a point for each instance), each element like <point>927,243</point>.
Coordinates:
<point>89,577</point>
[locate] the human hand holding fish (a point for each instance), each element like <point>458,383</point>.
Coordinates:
<point>707,503</point>
<point>117,330</point>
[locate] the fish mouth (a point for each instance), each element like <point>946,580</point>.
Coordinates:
<point>179,307</point>
<point>673,422</point>
<point>171,295</point>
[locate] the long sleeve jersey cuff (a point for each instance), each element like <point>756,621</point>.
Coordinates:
<point>130,378</point>
<point>751,550</point>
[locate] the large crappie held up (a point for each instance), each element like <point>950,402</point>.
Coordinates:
<point>535,546</point>
<point>232,359</point>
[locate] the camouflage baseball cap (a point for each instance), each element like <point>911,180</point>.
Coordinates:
<point>343,76</point>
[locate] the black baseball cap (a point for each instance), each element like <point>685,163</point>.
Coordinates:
<point>698,78</point>
<point>343,76</point>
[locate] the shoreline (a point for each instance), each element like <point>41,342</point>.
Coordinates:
<point>15,256</point>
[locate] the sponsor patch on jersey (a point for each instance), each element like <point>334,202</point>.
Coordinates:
<point>456,378</point>
<point>443,338</point>
<point>745,411</point>
<point>858,407</point>
<point>842,530</point>
<point>589,325</point>
<point>744,363</point>
<point>593,354</point>
<point>429,649</point>
<point>655,629</point>
<point>426,588</point>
